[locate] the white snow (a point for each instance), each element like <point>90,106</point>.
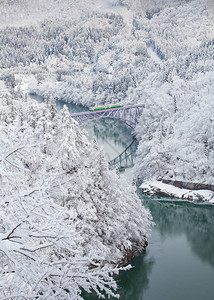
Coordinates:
<point>56,193</point>
<point>164,61</point>
<point>62,210</point>
<point>158,187</point>
<point>3,88</point>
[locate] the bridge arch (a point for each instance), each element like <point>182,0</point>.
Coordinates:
<point>126,114</point>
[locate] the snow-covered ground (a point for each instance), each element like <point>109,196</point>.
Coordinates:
<point>161,188</point>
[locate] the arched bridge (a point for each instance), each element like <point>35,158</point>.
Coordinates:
<point>126,114</point>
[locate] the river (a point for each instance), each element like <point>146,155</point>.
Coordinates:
<point>178,263</point>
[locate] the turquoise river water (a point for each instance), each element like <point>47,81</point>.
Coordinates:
<point>178,263</point>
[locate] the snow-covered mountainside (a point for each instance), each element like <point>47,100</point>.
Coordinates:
<point>63,215</point>
<point>66,221</point>
<point>160,53</point>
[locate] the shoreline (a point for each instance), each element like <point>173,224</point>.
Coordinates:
<point>172,190</point>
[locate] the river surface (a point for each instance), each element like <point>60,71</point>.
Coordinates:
<point>178,263</point>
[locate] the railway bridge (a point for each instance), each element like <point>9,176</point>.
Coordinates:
<point>126,114</point>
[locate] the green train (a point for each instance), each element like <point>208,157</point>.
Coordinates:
<point>106,107</point>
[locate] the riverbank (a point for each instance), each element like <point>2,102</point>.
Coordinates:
<point>166,189</point>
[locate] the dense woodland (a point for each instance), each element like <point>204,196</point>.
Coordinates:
<point>66,222</point>
<point>162,56</point>
<point>76,223</point>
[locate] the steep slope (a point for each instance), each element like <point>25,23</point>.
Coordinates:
<point>159,53</point>
<point>66,221</point>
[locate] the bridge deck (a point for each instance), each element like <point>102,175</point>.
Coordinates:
<point>107,110</point>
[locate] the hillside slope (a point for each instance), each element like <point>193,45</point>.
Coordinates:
<point>66,221</point>
<point>159,53</point>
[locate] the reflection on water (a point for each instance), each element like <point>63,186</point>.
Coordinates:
<point>132,284</point>
<point>114,130</point>
<point>181,248</point>
<point>179,217</point>
<point>111,135</point>
<point>106,129</point>
<point>126,159</point>
<point>178,264</point>
<point>179,261</point>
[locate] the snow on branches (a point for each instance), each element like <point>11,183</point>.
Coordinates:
<point>64,224</point>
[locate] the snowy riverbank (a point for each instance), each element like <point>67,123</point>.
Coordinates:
<point>158,187</point>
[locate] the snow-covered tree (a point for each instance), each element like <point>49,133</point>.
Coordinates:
<point>159,53</point>
<point>65,225</point>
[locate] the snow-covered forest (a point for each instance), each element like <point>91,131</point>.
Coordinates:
<point>63,215</point>
<point>160,54</point>
<point>66,221</point>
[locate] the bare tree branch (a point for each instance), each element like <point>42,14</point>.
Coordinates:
<point>38,248</point>
<point>12,231</point>
<point>14,151</point>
